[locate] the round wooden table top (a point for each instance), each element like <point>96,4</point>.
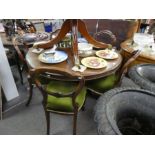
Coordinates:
<point>144,55</point>
<point>66,66</point>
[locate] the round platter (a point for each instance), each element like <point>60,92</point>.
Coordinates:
<point>33,37</point>
<point>94,62</point>
<point>107,54</point>
<point>53,57</point>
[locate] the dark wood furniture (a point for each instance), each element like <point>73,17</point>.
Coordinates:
<point>24,67</point>
<point>66,66</point>
<point>122,29</point>
<point>97,86</point>
<point>58,91</point>
<point>21,58</point>
<point>18,49</point>
<point>89,74</point>
<point>9,44</point>
<point>105,34</point>
<point>144,57</point>
<point>73,25</point>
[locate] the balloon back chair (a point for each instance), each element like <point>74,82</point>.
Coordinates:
<point>21,59</point>
<point>22,68</point>
<point>99,86</point>
<point>105,35</point>
<point>60,95</point>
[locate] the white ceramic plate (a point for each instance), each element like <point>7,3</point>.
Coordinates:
<point>107,54</point>
<point>53,57</point>
<point>94,62</point>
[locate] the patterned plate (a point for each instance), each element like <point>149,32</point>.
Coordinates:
<point>107,54</point>
<point>94,62</point>
<point>33,37</point>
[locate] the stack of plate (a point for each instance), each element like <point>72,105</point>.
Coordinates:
<point>85,49</point>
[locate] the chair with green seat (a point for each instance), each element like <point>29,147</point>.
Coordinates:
<point>60,96</point>
<point>99,86</point>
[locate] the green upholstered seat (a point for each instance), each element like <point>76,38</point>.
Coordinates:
<point>64,104</point>
<point>43,80</point>
<point>103,84</point>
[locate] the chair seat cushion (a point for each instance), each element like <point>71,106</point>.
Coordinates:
<point>64,104</point>
<point>43,80</point>
<point>103,84</point>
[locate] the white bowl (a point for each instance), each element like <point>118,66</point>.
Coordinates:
<point>85,46</point>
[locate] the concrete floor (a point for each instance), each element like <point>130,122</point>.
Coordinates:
<point>30,120</point>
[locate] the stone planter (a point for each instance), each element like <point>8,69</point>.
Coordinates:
<point>126,111</point>
<point>144,76</point>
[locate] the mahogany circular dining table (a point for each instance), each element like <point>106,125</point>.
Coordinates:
<point>144,57</point>
<point>66,66</point>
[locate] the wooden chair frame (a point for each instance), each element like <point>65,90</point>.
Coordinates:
<point>121,72</point>
<point>45,72</point>
<point>22,58</point>
<point>106,32</point>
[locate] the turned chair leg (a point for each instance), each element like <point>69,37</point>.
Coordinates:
<point>48,122</point>
<point>30,91</point>
<point>19,68</point>
<point>75,123</point>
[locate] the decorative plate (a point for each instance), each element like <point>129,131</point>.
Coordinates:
<point>94,62</point>
<point>107,54</point>
<point>33,37</point>
<point>52,57</point>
